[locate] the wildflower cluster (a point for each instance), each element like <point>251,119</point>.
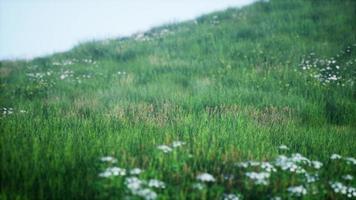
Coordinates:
<point>215,20</point>
<point>259,178</point>
<point>64,62</point>
<point>295,163</point>
<point>168,148</point>
<point>340,188</point>
<point>9,111</point>
<point>205,177</point>
<point>283,147</point>
<point>73,61</point>
<point>38,75</point>
<point>231,197</point>
<point>348,160</point>
<point>136,186</point>
<point>297,190</point>
<point>41,79</point>
<point>148,36</point>
<point>113,171</point>
<point>338,70</point>
<point>65,74</point>
<point>119,73</point>
<point>305,173</point>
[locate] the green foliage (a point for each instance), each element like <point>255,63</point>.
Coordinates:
<point>233,85</point>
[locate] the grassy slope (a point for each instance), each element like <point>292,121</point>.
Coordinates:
<point>230,86</point>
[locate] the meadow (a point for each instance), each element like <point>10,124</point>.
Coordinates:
<point>249,103</point>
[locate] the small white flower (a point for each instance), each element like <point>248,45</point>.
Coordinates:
<point>231,197</point>
<point>260,178</point>
<point>348,177</point>
<point>339,187</point>
<point>291,164</point>
<point>350,160</point>
<point>133,183</point>
<point>254,163</point>
<point>283,147</point>
<point>135,171</point>
<point>268,167</point>
<point>117,171</point>
<point>333,78</point>
<point>297,190</point>
<point>176,144</point>
<point>205,177</point>
<point>108,159</point>
<point>298,158</point>
<point>146,194</point>
<point>156,183</point>
<point>317,164</point>
<point>335,156</point>
<point>164,148</point>
<point>105,174</point>
<point>198,186</point>
<point>242,164</point>
<point>311,178</point>
<point>113,171</point>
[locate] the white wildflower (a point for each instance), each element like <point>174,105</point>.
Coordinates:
<point>164,148</point>
<point>298,158</point>
<point>290,164</point>
<point>205,177</point>
<point>231,197</point>
<point>339,187</point>
<point>136,171</point>
<point>198,186</point>
<point>333,78</point>
<point>63,76</point>
<point>268,167</point>
<point>297,190</point>
<point>156,183</point>
<point>254,163</point>
<point>317,164</point>
<point>108,159</point>
<point>242,164</point>
<point>176,144</point>
<point>260,178</point>
<point>311,178</point>
<point>105,174</point>
<point>350,160</point>
<point>113,171</point>
<point>348,177</point>
<point>117,171</point>
<point>335,156</point>
<point>146,194</point>
<point>283,147</point>
<point>133,183</point>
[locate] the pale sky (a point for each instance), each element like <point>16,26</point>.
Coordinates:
<point>30,28</point>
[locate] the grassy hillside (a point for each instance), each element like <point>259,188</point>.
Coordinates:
<point>224,92</point>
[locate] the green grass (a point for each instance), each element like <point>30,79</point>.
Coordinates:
<point>230,84</point>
